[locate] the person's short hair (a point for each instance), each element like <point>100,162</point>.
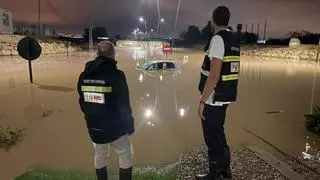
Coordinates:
<point>106,48</point>
<point>221,16</point>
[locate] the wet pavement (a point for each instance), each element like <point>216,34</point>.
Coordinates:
<point>274,94</point>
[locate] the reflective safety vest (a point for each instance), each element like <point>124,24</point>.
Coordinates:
<point>96,95</point>
<point>226,89</point>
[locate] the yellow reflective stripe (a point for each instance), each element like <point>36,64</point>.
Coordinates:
<point>231,58</point>
<point>230,77</point>
<point>100,89</point>
<point>206,73</point>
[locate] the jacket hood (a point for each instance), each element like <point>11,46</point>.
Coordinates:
<point>100,65</point>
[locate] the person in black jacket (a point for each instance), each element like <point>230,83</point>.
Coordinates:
<point>104,100</point>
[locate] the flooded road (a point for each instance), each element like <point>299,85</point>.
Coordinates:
<point>164,105</point>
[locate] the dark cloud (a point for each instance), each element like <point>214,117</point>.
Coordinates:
<point>121,16</point>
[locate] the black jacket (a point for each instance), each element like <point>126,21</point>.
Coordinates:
<point>104,99</point>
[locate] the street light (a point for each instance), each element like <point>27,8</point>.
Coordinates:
<point>142,20</point>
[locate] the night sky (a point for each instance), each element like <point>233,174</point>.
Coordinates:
<point>121,16</point>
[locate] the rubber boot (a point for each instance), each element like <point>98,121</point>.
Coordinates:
<point>214,173</point>
<point>102,174</point>
<point>125,174</point>
<point>226,173</point>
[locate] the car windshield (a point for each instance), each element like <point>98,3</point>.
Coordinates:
<point>145,65</point>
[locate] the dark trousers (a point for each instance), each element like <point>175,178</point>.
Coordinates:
<point>215,139</point>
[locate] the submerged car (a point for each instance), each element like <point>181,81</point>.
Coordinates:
<point>159,65</point>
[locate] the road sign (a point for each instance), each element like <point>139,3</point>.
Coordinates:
<point>29,49</point>
<point>166,49</point>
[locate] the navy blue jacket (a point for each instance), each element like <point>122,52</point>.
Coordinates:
<point>104,99</point>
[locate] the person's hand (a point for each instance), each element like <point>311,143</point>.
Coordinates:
<point>201,110</point>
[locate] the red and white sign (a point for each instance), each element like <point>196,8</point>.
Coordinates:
<point>166,49</point>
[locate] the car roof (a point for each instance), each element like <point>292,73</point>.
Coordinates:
<point>157,61</point>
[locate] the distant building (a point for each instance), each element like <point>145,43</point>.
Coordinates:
<point>32,30</point>
<point>294,42</point>
<point>6,22</point>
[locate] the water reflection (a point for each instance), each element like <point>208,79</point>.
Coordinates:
<point>148,113</point>
<point>182,112</point>
<point>291,88</point>
<point>158,91</point>
<point>310,152</point>
<point>141,78</point>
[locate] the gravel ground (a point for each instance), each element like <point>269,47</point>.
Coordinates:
<point>303,170</point>
<point>310,158</point>
<point>245,165</point>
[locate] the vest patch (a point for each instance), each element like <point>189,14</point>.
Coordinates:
<point>237,49</point>
<point>235,67</point>
<point>97,98</point>
<point>93,81</point>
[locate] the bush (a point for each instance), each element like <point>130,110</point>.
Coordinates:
<point>9,137</point>
<point>313,120</point>
<point>275,41</point>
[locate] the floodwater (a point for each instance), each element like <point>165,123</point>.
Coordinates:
<point>273,97</point>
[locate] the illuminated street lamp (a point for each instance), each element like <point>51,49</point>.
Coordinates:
<point>142,20</point>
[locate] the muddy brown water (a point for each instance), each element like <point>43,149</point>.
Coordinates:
<point>273,96</point>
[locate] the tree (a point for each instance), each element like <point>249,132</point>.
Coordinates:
<point>238,33</point>
<point>305,37</point>
<point>206,32</point>
<point>249,38</point>
<point>239,28</point>
<point>192,36</point>
<point>118,36</point>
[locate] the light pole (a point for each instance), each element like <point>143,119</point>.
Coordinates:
<point>177,17</point>
<point>158,27</point>
<point>151,31</point>
<point>142,20</point>
<point>39,18</point>
<point>159,15</point>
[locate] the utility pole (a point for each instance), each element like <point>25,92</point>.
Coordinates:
<point>265,30</point>
<point>252,28</point>
<point>258,28</point>
<point>39,18</point>
<point>90,38</point>
<point>246,34</point>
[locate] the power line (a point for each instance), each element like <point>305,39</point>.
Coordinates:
<point>55,11</point>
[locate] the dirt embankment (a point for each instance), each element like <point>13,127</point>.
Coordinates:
<point>302,52</point>
<point>8,46</point>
